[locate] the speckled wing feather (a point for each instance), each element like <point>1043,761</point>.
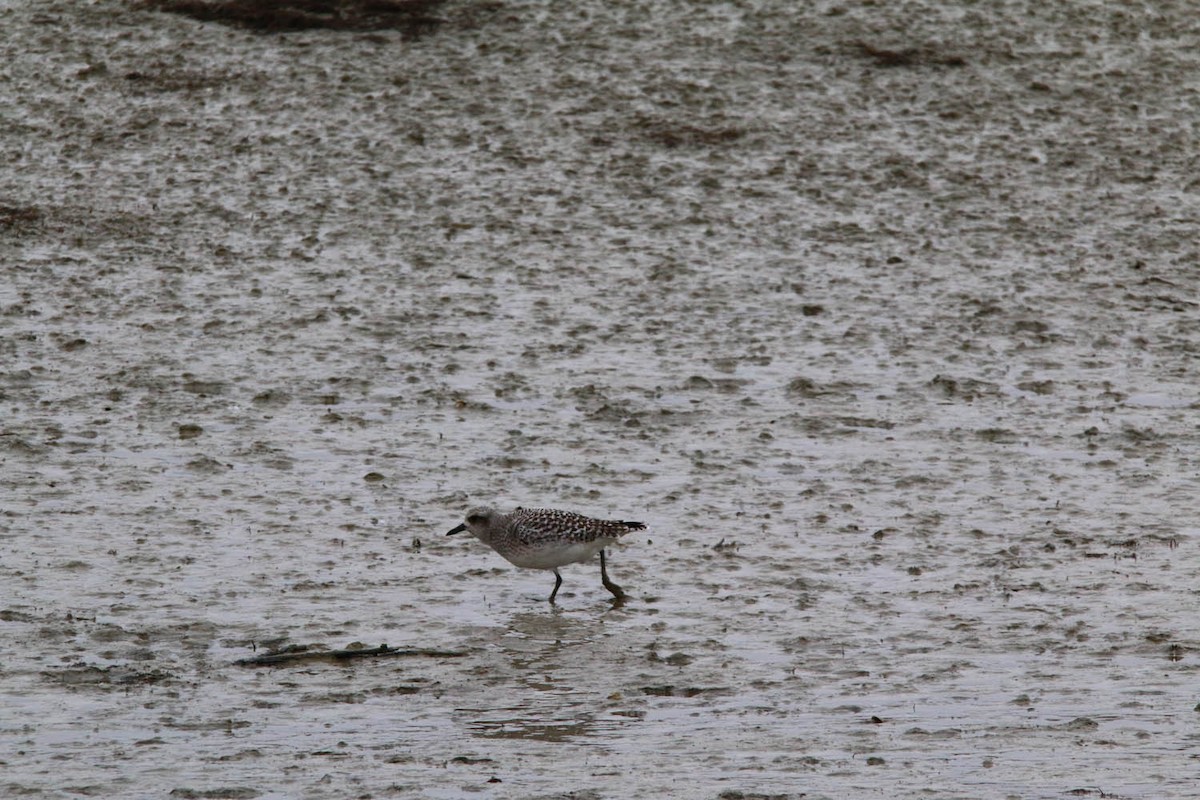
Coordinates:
<point>534,525</point>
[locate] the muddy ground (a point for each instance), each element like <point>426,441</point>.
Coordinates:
<point>885,318</point>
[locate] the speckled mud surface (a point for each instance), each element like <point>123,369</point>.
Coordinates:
<point>895,352</point>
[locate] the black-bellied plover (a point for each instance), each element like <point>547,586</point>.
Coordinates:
<point>545,538</point>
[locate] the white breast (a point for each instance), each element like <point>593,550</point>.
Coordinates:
<point>549,555</point>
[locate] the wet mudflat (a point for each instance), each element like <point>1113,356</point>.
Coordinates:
<point>883,317</point>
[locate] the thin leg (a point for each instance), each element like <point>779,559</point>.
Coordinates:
<point>557,583</point>
<point>617,591</point>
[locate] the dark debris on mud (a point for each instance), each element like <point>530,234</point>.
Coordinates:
<point>300,654</point>
<point>414,18</point>
<point>220,793</point>
<point>910,56</point>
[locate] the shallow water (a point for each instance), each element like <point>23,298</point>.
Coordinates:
<point>897,363</point>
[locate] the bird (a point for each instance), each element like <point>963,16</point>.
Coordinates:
<point>547,538</point>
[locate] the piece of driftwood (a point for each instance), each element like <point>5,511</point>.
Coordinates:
<point>302,654</point>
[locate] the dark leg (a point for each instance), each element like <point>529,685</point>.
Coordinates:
<point>557,583</point>
<point>617,591</point>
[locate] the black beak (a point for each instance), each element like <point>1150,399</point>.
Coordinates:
<point>459,529</point>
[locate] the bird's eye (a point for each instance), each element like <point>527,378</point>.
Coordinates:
<point>474,519</point>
